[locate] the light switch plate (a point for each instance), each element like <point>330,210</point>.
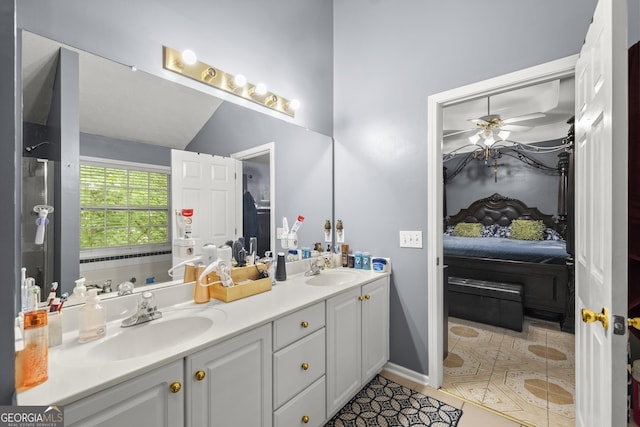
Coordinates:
<point>411,239</point>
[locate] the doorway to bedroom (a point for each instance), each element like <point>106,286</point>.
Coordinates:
<point>504,143</point>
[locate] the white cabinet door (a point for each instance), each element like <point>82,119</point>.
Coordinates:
<point>236,387</point>
<point>375,327</point>
<point>143,401</point>
<point>344,348</point>
<point>357,340</point>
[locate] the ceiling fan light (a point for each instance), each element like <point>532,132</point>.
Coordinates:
<point>504,134</point>
<point>489,141</point>
<point>474,138</point>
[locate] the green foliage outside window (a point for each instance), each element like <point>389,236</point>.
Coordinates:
<point>121,207</point>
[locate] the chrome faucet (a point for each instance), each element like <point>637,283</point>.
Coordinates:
<point>125,288</point>
<point>146,312</point>
<point>315,266</point>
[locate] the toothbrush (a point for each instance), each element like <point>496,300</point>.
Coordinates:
<point>52,294</point>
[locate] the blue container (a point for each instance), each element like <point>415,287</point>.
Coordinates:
<point>366,261</point>
<point>357,262</point>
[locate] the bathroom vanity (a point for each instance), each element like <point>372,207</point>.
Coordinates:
<point>291,356</point>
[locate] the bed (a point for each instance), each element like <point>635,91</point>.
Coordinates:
<point>543,266</point>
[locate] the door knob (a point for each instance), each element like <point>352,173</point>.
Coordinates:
<point>589,316</point>
<point>200,375</point>
<point>634,323</point>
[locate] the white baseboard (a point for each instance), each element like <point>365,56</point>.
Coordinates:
<point>407,373</point>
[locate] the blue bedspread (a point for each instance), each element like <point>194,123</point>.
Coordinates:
<point>542,251</point>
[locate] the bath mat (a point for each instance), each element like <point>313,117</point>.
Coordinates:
<point>385,403</point>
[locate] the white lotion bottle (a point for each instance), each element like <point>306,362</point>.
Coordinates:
<point>93,318</point>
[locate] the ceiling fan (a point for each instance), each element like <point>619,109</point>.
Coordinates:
<point>492,128</point>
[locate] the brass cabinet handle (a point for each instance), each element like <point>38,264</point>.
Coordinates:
<point>305,419</point>
<point>589,316</point>
<point>175,387</point>
<point>367,296</point>
<point>304,324</point>
<point>360,298</point>
<point>200,375</point>
<point>305,366</point>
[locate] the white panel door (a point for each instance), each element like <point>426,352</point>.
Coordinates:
<point>211,186</point>
<point>601,217</point>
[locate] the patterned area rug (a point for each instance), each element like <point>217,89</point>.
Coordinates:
<point>385,403</point>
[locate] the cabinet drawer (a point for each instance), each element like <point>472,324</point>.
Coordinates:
<point>296,325</point>
<point>297,366</point>
<point>310,403</point>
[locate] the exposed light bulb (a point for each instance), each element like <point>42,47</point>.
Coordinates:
<point>474,138</point>
<point>189,57</point>
<point>239,80</point>
<point>261,89</point>
<point>504,134</point>
<point>294,104</point>
<point>489,141</point>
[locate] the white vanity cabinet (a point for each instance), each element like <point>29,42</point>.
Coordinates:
<point>229,384</point>
<point>299,363</point>
<point>357,340</point>
<point>153,399</point>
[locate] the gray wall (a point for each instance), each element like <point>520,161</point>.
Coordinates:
<point>389,58</point>
<point>537,188</point>
<point>303,166</point>
<point>64,135</point>
<point>285,43</point>
<point>118,149</point>
<point>10,175</point>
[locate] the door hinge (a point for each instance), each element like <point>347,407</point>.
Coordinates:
<point>437,261</point>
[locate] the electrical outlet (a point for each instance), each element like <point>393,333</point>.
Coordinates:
<point>411,239</point>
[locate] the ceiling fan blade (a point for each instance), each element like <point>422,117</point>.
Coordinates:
<point>459,132</point>
<point>524,117</point>
<point>516,128</point>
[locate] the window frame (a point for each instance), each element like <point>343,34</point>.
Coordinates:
<point>130,249</point>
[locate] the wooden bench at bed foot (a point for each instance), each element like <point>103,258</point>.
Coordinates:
<point>493,303</point>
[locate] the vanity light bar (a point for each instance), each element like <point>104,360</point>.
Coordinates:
<point>205,73</point>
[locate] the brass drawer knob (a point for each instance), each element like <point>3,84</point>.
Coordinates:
<point>305,366</point>
<point>367,296</point>
<point>200,375</point>
<point>175,387</point>
<point>360,298</point>
<point>304,324</point>
<point>305,419</point>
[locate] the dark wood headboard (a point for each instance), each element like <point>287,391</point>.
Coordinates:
<point>501,210</point>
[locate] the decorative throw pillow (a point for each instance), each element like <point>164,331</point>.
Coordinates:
<point>449,230</point>
<point>488,230</point>
<point>551,234</point>
<point>502,231</point>
<point>524,229</point>
<point>468,229</point>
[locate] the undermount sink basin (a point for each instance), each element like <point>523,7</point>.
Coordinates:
<point>332,277</point>
<point>149,337</point>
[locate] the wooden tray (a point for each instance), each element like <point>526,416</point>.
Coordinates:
<point>246,284</point>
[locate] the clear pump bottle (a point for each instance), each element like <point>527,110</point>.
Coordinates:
<point>93,318</point>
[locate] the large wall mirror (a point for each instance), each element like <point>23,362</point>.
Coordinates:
<point>96,118</point>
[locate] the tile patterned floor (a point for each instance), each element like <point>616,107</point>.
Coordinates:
<point>472,415</point>
<point>528,376</point>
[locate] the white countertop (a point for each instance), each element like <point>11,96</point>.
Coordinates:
<point>73,374</point>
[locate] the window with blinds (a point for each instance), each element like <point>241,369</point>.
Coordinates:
<point>123,207</point>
